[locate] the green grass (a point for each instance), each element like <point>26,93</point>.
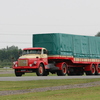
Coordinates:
<point>19,85</point>
<point>26,74</point>
<point>91,93</point>
<point>12,75</point>
<point>4,69</point>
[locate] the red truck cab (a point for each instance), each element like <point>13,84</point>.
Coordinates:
<point>32,60</point>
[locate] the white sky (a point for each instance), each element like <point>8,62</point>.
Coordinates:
<point>19,19</point>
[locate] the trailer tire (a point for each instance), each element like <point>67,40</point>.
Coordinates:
<point>40,71</point>
<point>98,70</point>
<point>63,71</point>
<point>18,74</point>
<point>76,71</point>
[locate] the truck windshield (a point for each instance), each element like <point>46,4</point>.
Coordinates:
<point>36,51</point>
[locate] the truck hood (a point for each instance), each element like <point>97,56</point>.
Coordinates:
<point>30,56</point>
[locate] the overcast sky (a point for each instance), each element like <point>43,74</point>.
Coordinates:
<point>19,19</point>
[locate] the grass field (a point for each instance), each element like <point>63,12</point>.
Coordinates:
<point>19,85</point>
<point>92,93</point>
<point>12,74</point>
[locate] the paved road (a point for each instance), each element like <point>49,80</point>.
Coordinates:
<point>27,78</point>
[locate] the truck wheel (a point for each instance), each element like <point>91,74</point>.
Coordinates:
<point>63,71</point>
<point>71,72</point>
<point>75,71</point>
<point>92,71</point>
<point>79,71</point>
<point>98,70</point>
<point>18,74</point>
<point>40,71</point>
<point>46,73</point>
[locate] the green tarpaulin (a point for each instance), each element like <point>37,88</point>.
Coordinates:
<point>68,45</point>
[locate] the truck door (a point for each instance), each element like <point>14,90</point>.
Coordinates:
<point>44,56</point>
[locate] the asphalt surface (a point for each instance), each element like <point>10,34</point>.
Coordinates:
<point>27,78</point>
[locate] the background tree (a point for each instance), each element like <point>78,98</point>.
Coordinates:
<point>98,34</point>
<point>6,55</point>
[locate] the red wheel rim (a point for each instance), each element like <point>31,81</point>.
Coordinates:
<point>64,70</point>
<point>93,70</point>
<point>40,69</point>
<point>98,70</point>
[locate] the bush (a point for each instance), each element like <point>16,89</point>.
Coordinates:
<point>5,63</point>
<point>8,55</point>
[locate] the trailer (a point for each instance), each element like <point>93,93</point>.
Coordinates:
<point>60,54</point>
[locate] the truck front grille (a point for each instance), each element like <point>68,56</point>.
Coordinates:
<point>22,62</point>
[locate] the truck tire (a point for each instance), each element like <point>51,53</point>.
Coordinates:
<point>40,71</point>
<point>18,74</point>
<point>62,72</point>
<point>46,73</point>
<point>75,71</point>
<point>98,70</point>
<point>92,71</point>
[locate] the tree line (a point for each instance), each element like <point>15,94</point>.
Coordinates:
<point>8,55</point>
<point>98,34</point>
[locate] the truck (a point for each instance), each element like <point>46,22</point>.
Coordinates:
<point>61,54</point>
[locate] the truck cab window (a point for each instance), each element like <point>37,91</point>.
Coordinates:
<point>44,51</point>
<point>38,51</point>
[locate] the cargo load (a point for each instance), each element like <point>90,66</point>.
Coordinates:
<point>67,44</point>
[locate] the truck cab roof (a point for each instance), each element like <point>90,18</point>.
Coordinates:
<point>33,48</point>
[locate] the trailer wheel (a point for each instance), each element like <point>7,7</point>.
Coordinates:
<point>98,70</point>
<point>18,74</point>
<point>92,71</point>
<point>63,71</point>
<point>40,71</point>
<point>75,71</point>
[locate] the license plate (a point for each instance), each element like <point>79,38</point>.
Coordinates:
<point>23,70</point>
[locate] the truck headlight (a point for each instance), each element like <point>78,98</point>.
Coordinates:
<point>31,65</point>
<point>35,62</point>
<point>16,65</point>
